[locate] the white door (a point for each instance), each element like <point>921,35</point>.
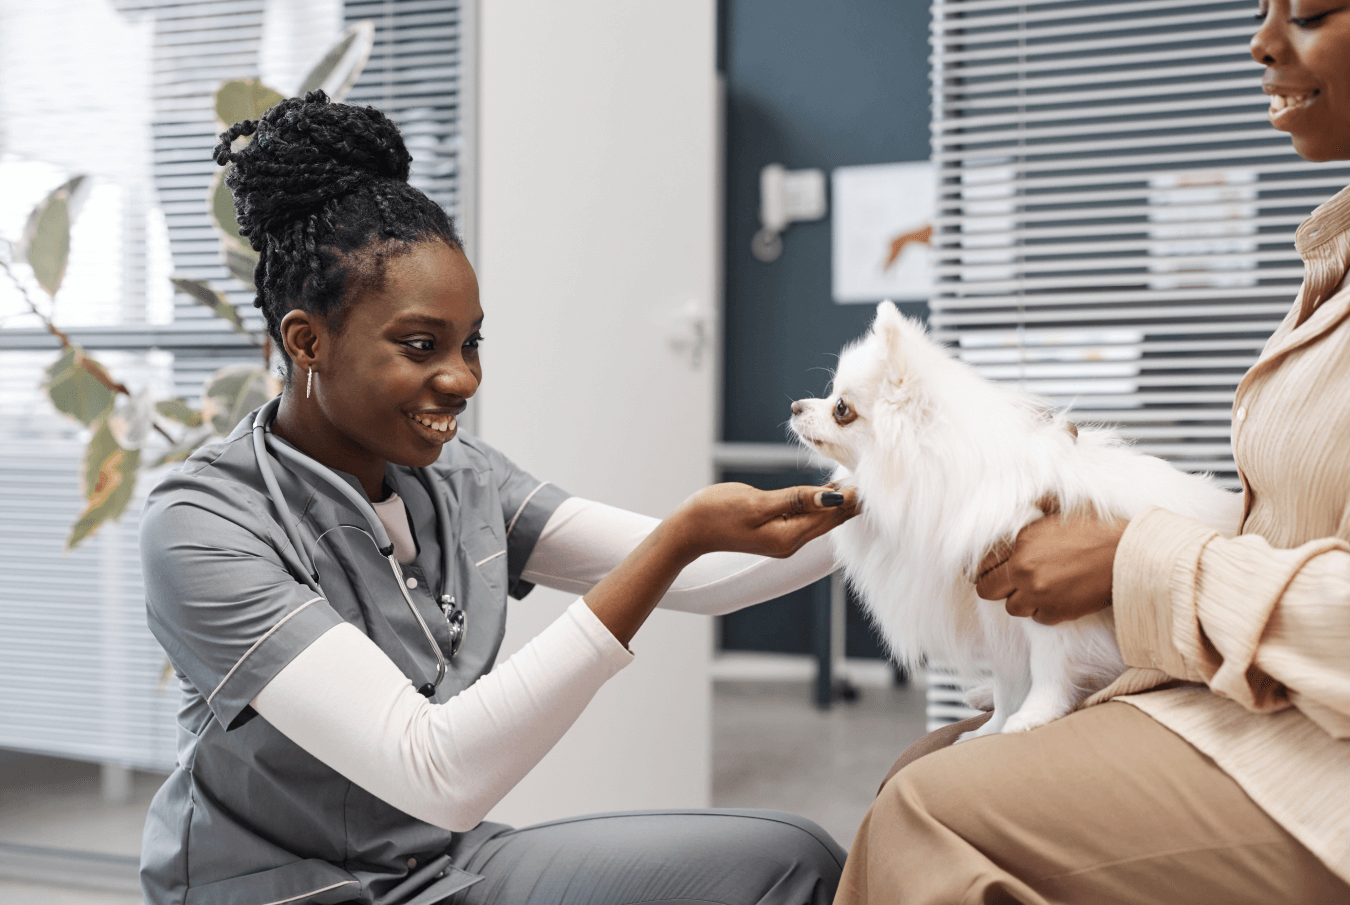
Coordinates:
<point>596,251</point>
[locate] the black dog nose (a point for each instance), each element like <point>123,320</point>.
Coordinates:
<point>797,407</point>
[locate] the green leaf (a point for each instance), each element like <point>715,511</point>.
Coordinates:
<point>178,410</point>
<point>341,66</point>
<point>203,294</point>
<point>241,99</point>
<point>48,248</point>
<point>241,260</point>
<point>233,392</point>
<point>109,480</point>
<point>221,201</point>
<point>240,257</point>
<point>45,241</point>
<point>75,391</point>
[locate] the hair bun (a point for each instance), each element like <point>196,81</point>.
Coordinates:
<point>306,153</point>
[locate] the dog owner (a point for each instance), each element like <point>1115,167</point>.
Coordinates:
<point>343,550</point>
<point>1220,771</point>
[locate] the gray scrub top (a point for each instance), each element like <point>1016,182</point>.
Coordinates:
<point>248,816</point>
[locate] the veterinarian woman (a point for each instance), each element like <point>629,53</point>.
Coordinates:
<point>1219,771</point>
<point>330,585</point>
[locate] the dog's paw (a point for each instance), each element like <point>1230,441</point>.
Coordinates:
<point>981,697</point>
<point>1025,720</point>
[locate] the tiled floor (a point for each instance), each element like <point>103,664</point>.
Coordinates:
<point>49,807</point>
<point>771,749</point>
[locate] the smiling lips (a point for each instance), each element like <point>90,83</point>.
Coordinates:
<point>440,423</point>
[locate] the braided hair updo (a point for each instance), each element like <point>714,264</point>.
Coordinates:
<point>322,195</point>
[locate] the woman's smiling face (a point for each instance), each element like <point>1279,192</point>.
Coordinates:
<point>1305,47</point>
<point>391,381</point>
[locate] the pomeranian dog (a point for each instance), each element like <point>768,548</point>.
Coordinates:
<point>949,466</point>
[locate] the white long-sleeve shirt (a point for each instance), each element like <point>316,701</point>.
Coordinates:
<point>346,703</point>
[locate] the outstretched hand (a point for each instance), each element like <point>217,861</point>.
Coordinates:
<point>743,519</point>
<point>1059,568</point>
<point>733,517</point>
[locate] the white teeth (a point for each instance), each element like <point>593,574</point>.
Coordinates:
<point>1280,102</point>
<point>442,426</point>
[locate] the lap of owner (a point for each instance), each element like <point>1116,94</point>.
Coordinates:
<point>1105,806</point>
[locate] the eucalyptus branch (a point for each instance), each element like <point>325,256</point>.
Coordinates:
<point>96,370</point>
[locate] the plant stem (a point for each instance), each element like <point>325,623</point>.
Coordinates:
<point>23,290</point>
<point>97,371</point>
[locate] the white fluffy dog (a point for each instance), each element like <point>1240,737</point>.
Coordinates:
<point>948,466</point>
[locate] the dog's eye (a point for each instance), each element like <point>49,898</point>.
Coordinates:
<point>841,410</point>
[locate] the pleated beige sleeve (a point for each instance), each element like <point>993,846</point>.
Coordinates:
<point>1263,627</point>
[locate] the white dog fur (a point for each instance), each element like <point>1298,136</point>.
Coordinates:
<point>948,466</point>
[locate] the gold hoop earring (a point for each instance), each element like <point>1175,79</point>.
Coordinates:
<point>309,383</point>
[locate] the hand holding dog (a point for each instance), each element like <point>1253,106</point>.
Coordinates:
<point>1059,568</point>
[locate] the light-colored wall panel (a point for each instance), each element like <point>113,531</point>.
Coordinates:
<point>596,228</point>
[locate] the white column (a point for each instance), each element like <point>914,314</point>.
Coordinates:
<point>596,244</point>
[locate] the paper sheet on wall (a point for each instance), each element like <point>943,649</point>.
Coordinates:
<point>883,221</point>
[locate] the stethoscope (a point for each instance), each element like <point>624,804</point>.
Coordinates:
<point>454,615</point>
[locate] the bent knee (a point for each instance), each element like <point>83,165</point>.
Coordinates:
<point>792,835</point>
<point>944,787</point>
<point>776,857</point>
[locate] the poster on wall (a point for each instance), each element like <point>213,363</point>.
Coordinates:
<point>882,232</point>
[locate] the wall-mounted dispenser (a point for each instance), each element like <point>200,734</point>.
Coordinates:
<point>785,196</point>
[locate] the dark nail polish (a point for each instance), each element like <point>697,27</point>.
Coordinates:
<point>831,498</point>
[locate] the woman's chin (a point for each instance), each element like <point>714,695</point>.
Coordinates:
<point>420,457</point>
<point>417,454</point>
<point>1319,148</point>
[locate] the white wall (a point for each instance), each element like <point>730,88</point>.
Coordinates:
<point>596,225</point>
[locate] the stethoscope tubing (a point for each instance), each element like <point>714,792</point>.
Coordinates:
<point>263,444</point>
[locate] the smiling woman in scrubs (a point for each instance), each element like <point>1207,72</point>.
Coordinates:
<point>310,767</point>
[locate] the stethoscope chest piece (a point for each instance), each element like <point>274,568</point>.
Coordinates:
<point>458,624</point>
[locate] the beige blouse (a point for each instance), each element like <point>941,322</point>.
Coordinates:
<point>1258,626</point>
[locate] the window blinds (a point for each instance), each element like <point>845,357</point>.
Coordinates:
<point>1116,215</point>
<point>414,77</point>
<point>79,671</point>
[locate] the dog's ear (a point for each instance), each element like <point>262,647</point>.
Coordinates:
<point>889,329</point>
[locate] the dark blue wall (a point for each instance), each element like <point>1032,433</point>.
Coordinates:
<point>810,83</point>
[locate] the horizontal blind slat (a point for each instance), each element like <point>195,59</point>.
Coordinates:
<point>1030,18</point>
<point>1035,29</point>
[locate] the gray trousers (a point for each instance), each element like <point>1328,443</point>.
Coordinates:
<point>700,857</point>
